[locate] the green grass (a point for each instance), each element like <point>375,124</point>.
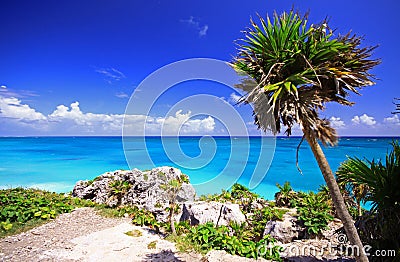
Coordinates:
<point>115,212</point>
<point>20,228</point>
<point>184,244</point>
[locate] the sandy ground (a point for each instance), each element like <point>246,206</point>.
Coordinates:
<point>82,235</point>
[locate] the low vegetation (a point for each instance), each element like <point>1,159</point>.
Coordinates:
<point>171,189</point>
<point>314,210</point>
<point>22,209</point>
<point>208,236</point>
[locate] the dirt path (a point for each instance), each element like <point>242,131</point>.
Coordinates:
<point>83,235</point>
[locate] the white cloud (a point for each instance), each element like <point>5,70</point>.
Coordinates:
<point>336,122</point>
<point>364,119</point>
<point>180,123</point>
<point>111,74</point>
<point>121,95</point>
<point>394,120</point>
<point>199,126</point>
<point>201,29</point>
<point>11,107</point>
<point>234,98</point>
<point>12,93</point>
<point>70,120</point>
<point>90,120</point>
<point>134,124</point>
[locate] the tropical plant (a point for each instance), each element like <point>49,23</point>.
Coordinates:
<point>171,189</point>
<point>237,194</point>
<point>260,218</point>
<point>119,189</point>
<point>182,227</point>
<point>21,208</point>
<point>293,70</point>
<point>142,217</point>
<point>382,183</point>
<point>239,191</point>
<point>243,196</point>
<point>348,197</point>
<point>355,193</point>
<point>314,211</point>
<point>381,179</point>
<point>208,237</point>
<point>284,195</point>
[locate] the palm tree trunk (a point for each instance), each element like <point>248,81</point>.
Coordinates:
<point>336,195</point>
<point>171,219</point>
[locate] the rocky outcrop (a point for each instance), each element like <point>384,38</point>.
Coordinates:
<point>134,187</point>
<point>216,212</point>
<point>285,231</point>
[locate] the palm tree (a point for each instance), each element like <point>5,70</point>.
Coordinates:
<point>171,188</point>
<point>355,191</point>
<point>296,69</point>
<point>382,183</point>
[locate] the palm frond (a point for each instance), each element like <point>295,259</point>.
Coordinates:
<point>382,180</point>
<point>298,69</point>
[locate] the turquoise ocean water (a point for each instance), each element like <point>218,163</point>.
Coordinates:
<point>56,163</point>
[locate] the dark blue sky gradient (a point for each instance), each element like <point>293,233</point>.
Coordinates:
<point>52,49</point>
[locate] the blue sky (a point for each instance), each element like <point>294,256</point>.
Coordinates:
<point>70,67</point>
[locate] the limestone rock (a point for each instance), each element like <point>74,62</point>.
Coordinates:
<point>286,230</point>
<point>133,187</point>
<point>215,212</point>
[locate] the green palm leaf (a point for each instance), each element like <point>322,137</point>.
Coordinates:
<point>299,68</point>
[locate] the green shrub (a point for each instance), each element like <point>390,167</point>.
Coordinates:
<point>183,227</point>
<point>209,237</point>
<point>238,194</point>
<point>119,187</point>
<point>142,217</point>
<point>239,191</point>
<point>314,212</point>
<point>285,194</point>
<point>260,218</point>
<point>20,207</point>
